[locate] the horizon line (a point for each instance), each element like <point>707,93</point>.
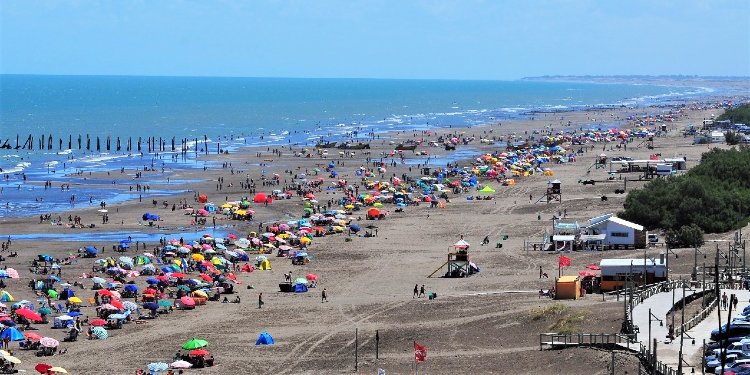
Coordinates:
<point>538,77</point>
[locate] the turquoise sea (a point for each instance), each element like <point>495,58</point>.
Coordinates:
<point>250,111</point>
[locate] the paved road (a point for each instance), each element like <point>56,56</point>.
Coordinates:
<point>668,352</point>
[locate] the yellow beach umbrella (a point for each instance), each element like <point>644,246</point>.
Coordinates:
<point>198,257</point>
<point>12,359</point>
<point>349,206</point>
<point>74,300</point>
<point>226,205</point>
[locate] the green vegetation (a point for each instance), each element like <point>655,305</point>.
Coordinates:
<point>733,138</point>
<point>564,320</point>
<point>687,236</point>
<point>714,196</point>
<point>739,114</point>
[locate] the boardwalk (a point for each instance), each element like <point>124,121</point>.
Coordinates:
<point>668,352</point>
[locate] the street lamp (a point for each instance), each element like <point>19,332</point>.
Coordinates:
<point>651,318</point>
<point>694,274</point>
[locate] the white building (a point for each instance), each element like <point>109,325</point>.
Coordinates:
<point>617,233</point>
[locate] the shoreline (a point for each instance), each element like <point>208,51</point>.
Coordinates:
<point>369,279</point>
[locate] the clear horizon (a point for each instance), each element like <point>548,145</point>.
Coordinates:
<point>445,40</point>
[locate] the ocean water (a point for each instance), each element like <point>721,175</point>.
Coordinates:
<point>235,112</point>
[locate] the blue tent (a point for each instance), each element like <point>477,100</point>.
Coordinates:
<point>125,244</point>
<point>91,250</point>
<point>355,228</point>
<point>152,280</point>
<point>151,306</point>
<point>264,339</point>
<point>67,293</point>
<point>13,334</point>
<point>300,288</point>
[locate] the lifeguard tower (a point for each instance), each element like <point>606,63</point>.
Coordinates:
<point>554,192</point>
<point>458,261</point>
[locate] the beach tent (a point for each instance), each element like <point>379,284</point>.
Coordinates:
<point>91,250</point>
<point>487,189</point>
<point>300,288</point>
<point>150,217</point>
<point>264,265</point>
<point>6,297</point>
<point>202,198</point>
<point>264,339</point>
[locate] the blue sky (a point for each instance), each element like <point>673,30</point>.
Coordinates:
<point>462,39</point>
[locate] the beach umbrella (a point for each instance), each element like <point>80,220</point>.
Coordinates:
<point>165,303</point>
<point>12,334</point>
<point>58,369</point>
<point>107,307</point>
<point>200,293</point>
<point>6,297</point>
<point>100,333</point>
<point>52,293</point>
<point>311,277</point>
<point>131,288</point>
<point>74,300</point>
<point>117,316</point>
<point>300,280</point>
<point>32,336</point>
<point>98,322</point>
<point>177,275</point>
<point>181,364</point>
<point>184,288</point>
<point>187,301</point>
<point>199,353</point>
<point>7,322</point>
<point>130,306</point>
<point>49,342</point>
<point>42,368</point>
<point>117,304</point>
<point>206,277</point>
<point>98,280</point>
<point>151,306</point>
<point>157,366</point>
<point>29,314</point>
<point>12,273</point>
<point>194,343</point>
<point>152,280</point>
<point>11,359</point>
<point>44,311</point>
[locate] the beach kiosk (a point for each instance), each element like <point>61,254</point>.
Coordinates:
<point>568,287</point>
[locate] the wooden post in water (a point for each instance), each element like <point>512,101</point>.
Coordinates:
<point>60,148</point>
<point>49,142</point>
<point>107,143</point>
<point>172,143</point>
<point>16,141</point>
<point>205,143</point>
<point>70,141</point>
<point>98,144</point>
<point>119,147</point>
<point>139,144</point>
<point>88,142</point>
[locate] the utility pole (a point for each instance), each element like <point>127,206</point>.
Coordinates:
<point>682,330</point>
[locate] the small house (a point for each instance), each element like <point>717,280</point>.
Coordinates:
<point>616,272</point>
<point>618,233</point>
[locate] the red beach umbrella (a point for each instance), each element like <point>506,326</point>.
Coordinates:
<point>98,322</point>
<point>199,353</point>
<point>187,301</point>
<point>29,314</point>
<point>42,368</point>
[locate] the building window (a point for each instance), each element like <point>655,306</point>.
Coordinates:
<point>619,234</point>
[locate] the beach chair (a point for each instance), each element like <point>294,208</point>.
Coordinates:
<point>60,308</point>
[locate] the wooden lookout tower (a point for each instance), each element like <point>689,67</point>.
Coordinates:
<point>458,261</point>
<point>554,193</point>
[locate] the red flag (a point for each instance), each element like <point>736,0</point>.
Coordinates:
<point>420,352</point>
<point>564,261</point>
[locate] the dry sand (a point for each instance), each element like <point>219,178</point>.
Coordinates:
<point>481,325</point>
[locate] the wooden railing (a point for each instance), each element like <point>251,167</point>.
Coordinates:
<point>698,317</point>
<point>583,339</point>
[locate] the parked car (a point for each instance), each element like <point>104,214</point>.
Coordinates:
<point>736,365</point>
<point>716,363</point>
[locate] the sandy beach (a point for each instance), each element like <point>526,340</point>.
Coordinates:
<point>482,324</point>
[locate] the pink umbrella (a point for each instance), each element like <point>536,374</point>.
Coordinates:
<point>206,246</point>
<point>12,273</point>
<point>284,227</point>
<point>187,301</point>
<point>49,342</point>
<point>311,277</point>
<point>202,212</point>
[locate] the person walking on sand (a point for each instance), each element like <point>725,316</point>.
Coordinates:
<point>260,300</point>
<point>323,296</point>
<point>416,291</point>
<point>724,301</point>
<point>540,272</point>
<point>421,291</point>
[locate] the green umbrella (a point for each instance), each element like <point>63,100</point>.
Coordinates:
<point>176,268</point>
<point>52,293</point>
<point>184,287</point>
<point>194,343</point>
<point>165,303</point>
<point>44,311</point>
